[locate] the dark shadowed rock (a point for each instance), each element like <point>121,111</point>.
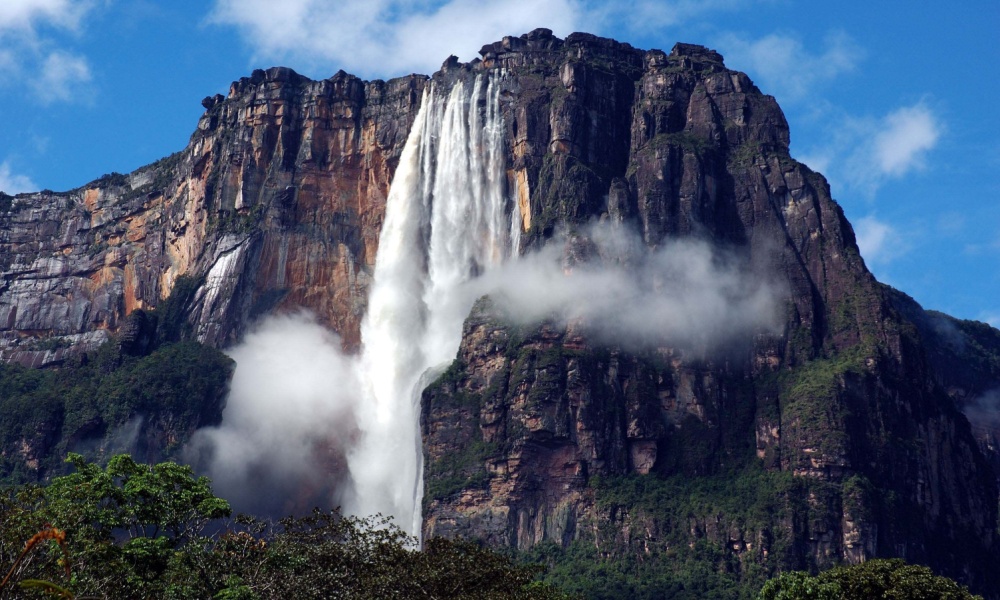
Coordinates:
<point>846,400</point>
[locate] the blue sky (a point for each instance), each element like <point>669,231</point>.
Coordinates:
<point>895,102</point>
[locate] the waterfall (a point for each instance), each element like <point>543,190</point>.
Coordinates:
<point>448,219</point>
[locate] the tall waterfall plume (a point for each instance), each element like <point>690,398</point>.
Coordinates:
<point>449,218</point>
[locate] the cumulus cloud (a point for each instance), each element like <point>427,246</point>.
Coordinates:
<point>890,147</point>
<point>878,241</point>
<point>862,154</point>
<point>904,138</point>
<point>288,421</point>
<point>14,183</point>
<point>685,293</point>
<point>31,52</point>
<point>384,38</point>
<point>63,78</point>
<point>26,16</point>
<point>782,66</point>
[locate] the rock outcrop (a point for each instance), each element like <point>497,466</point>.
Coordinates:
<point>276,203</point>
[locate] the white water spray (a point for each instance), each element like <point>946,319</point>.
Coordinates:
<point>448,219</point>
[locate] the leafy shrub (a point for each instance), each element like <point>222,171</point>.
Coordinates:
<point>880,578</point>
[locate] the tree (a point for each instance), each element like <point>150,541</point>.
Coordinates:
<point>141,501</point>
<point>132,530</point>
<point>123,522</point>
<point>890,579</point>
<point>327,555</point>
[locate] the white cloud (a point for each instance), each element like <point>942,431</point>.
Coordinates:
<point>879,242</point>
<point>31,48</point>
<point>384,38</point>
<point>907,134</point>
<point>64,77</point>
<point>783,67</point>
<point>890,147</point>
<point>862,154</point>
<point>13,183</point>
<point>24,16</point>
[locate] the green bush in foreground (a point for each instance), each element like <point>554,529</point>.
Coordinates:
<point>880,579</point>
<point>131,530</point>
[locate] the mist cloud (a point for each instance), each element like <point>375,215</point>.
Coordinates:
<point>685,293</point>
<point>288,422</point>
<point>984,411</point>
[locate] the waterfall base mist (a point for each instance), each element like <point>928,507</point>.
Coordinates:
<point>288,423</point>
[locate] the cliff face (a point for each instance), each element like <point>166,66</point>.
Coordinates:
<point>845,400</point>
<point>276,203</point>
<point>842,430</point>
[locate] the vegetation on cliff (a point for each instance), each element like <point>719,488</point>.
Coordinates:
<point>103,403</point>
<point>145,393</point>
<point>733,536</point>
<point>719,536</point>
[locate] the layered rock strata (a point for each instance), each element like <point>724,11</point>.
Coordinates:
<point>275,204</point>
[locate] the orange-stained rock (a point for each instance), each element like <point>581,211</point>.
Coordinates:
<point>287,174</point>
